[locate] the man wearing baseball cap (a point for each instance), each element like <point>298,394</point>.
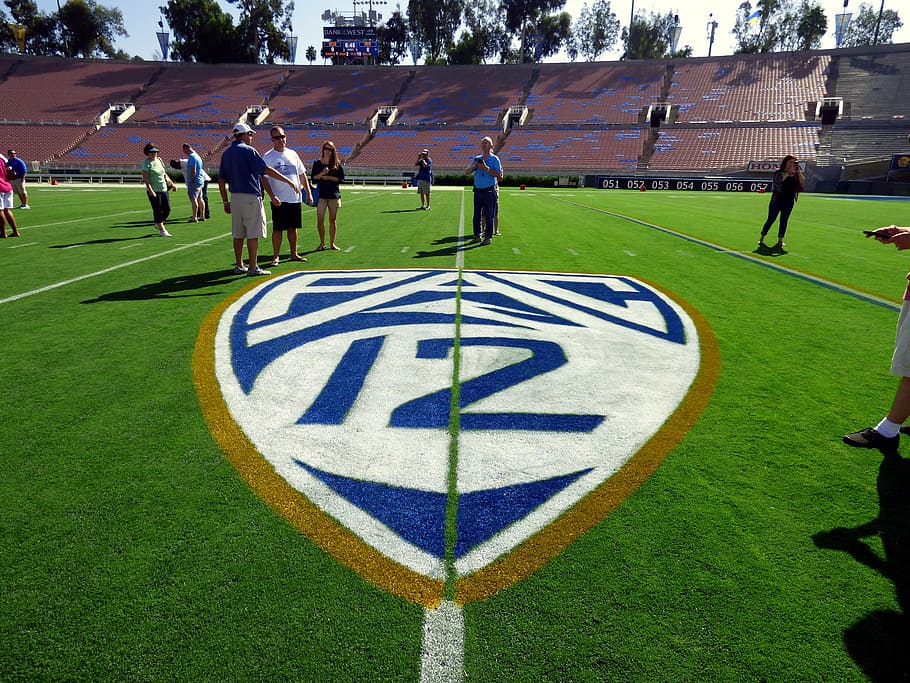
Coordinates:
<point>241,169</point>
<point>424,178</point>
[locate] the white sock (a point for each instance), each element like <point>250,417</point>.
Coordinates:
<point>887,428</point>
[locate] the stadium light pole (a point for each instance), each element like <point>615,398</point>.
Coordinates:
<point>878,22</point>
<point>712,27</point>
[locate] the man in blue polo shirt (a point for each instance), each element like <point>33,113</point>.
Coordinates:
<point>242,168</point>
<point>487,170</point>
<point>18,167</point>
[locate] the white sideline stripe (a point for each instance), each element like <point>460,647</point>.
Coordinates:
<point>104,271</point>
<point>350,249</point>
<point>131,246</point>
<point>442,651</point>
<point>459,253</point>
<point>19,246</point>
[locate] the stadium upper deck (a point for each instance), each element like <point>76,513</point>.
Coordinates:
<point>548,118</point>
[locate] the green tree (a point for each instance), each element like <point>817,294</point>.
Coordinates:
<point>433,24</point>
<point>862,28</point>
<point>311,54</point>
<point>650,37</point>
<point>526,19</point>
<point>596,30</point>
<point>393,39</point>
<point>487,29</point>
<point>263,29</point>
<point>89,29</point>
<point>802,27</point>
<point>761,36</point>
<point>203,32</point>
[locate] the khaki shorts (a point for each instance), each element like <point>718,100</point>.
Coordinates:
<point>18,185</point>
<point>423,187</point>
<point>900,361</point>
<point>247,216</point>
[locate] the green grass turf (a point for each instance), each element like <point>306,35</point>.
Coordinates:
<point>131,549</point>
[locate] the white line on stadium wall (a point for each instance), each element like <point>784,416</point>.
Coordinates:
<point>814,279</point>
<point>104,271</point>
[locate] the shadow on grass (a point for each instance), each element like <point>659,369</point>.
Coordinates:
<point>455,243</point>
<point>402,210</point>
<point>765,250</point>
<point>171,288</point>
<point>879,643</point>
<point>109,240</point>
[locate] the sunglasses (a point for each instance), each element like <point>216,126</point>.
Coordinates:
<point>279,137</point>
<point>327,149</point>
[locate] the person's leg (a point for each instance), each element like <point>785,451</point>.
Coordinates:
<point>784,219</point>
<point>478,210</point>
<point>276,243</point>
<point>333,226</point>
<point>773,210</point>
<point>900,407</point>
<point>320,222</point>
<point>11,219</point>
<point>292,243</point>
<point>205,199</point>
<point>252,250</point>
<point>238,252</point>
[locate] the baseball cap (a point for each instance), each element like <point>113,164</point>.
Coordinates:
<point>241,128</point>
<point>150,147</point>
<point>12,152</point>
<point>425,151</point>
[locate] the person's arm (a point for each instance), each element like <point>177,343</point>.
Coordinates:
<point>305,186</point>
<point>148,184</point>
<point>267,188</point>
<point>272,173</point>
<point>899,236</point>
<point>222,188</point>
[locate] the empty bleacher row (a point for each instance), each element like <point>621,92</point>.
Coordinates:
<point>572,118</point>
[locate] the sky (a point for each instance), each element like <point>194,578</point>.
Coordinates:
<point>140,18</point>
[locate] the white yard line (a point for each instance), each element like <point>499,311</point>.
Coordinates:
<point>126,264</point>
<point>442,651</point>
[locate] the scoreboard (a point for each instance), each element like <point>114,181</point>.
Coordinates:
<point>688,184</point>
<point>349,41</point>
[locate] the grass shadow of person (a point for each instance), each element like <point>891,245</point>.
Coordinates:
<point>455,243</point>
<point>765,250</point>
<point>879,643</point>
<point>108,240</point>
<point>171,288</point>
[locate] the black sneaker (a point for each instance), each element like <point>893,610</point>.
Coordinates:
<point>869,438</point>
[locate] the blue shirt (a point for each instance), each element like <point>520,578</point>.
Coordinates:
<point>18,166</point>
<point>242,167</point>
<point>482,179</point>
<point>425,170</point>
<point>194,169</point>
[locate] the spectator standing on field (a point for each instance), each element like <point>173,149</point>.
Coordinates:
<point>328,174</point>
<point>195,176</point>
<point>241,169</point>
<point>786,184</point>
<point>157,185</point>
<point>6,202</point>
<point>885,436</point>
<point>17,179</point>
<point>287,211</point>
<point>424,178</point>
<point>180,165</point>
<point>487,170</point>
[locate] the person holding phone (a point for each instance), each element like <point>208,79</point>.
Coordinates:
<point>487,171</point>
<point>786,185</point>
<point>885,436</point>
<point>424,178</point>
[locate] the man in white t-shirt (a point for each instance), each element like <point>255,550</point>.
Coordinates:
<point>287,209</point>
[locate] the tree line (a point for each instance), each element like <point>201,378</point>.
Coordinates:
<point>435,31</point>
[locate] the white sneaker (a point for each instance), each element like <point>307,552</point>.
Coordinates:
<point>163,233</point>
<point>25,206</point>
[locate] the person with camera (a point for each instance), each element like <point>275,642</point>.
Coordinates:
<point>424,178</point>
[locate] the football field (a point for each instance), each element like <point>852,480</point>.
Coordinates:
<point>606,447</point>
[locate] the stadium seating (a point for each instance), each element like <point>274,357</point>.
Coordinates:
<point>575,118</point>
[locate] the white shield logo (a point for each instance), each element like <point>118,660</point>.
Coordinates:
<point>445,433</point>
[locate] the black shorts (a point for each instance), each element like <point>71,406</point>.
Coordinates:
<point>286,216</point>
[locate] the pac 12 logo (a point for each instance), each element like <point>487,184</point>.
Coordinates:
<point>445,433</point>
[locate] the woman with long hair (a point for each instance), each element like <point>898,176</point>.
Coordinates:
<point>328,173</point>
<point>786,185</point>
